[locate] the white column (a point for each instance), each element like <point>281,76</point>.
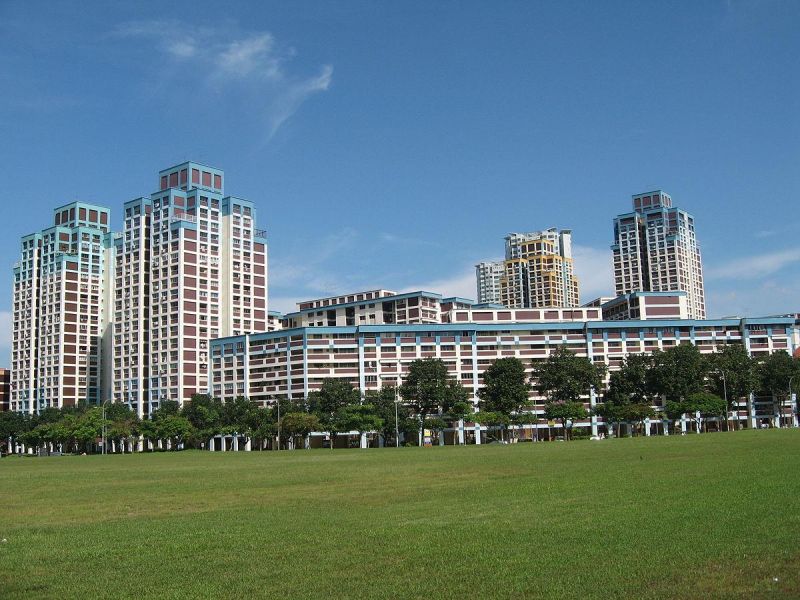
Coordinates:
<point>461,432</point>
<point>592,404</point>
<point>363,441</point>
<point>477,433</point>
<point>236,442</point>
<point>647,427</point>
<point>683,423</point>
<point>211,444</point>
<point>751,410</point>
<point>224,443</point>
<point>248,445</point>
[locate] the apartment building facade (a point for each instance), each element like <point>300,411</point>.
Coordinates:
<point>59,310</point>
<point>537,272</point>
<point>655,250</point>
<point>206,276</point>
<point>5,389</point>
<point>373,307</point>
<point>291,363</point>
<point>127,317</point>
<point>488,275</point>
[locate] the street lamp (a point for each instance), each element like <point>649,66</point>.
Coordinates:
<point>725,392</point>
<point>396,419</point>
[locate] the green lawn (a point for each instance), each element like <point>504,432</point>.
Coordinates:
<point>703,515</point>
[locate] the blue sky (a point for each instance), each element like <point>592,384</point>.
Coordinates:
<point>395,144</point>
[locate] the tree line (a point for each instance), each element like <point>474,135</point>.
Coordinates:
<point>680,381</point>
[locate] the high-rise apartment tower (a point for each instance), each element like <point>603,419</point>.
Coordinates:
<point>655,250</point>
<point>537,272</point>
<point>59,311</point>
<point>127,317</point>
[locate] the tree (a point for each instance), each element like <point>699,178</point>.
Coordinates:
<point>497,419</point>
<point>358,417</point>
<point>12,425</point>
<point>505,390</point>
<point>774,373</point>
<point>123,423</point>
<point>235,417</point>
<point>385,409</point>
<point>168,425</point>
<point>333,395</point>
<point>261,424</point>
<point>677,372</point>
<point>205,414</point>
<point>628,397</point>
<point>429,389</point>
<point>89,427</point>
<point>732,375</point>
<point>461,411</point>
<point>299,424</point>
<point>566,412</point>
<point>564,378</point>
<point>174,429</point>
<point>706,405</point>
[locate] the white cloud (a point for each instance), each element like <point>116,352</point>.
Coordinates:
<point>249,56</point>
<point>463,285</point>
<point>400,240</point>
<point>595,271</point>
<point>5,329</point>
<point>307,269</point>
<point>754,267</point>
<point>5,337</point>
<point>252,68</point>
<point>284,304</point>
<point>762,299</point>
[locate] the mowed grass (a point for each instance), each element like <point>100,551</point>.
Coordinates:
<point>701,515</point>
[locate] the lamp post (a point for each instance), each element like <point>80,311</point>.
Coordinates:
<point>793,407</point>
<point>725,392</point>
<point>103,430</point>
<point>396,419</point>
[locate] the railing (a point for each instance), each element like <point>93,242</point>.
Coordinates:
<point>182,216</point>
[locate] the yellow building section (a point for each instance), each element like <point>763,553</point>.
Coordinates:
<point>543,279</point>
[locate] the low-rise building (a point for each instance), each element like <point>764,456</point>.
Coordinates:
<point>292,362</point>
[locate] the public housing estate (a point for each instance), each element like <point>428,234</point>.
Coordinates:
<point>128,316</point>
<point>369,339</point>
<point>176,304</point>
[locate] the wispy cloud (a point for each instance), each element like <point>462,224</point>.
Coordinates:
<point>232,62</point>
<point>754,267</point>
<point>301,274</point>
<point>404,240</point>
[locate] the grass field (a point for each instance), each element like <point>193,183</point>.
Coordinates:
<point>703,515</point>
